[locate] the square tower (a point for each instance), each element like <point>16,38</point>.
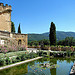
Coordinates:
<point>5,17</point>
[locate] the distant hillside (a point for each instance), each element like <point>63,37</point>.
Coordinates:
<point>32,37</point>
<point>60,35</point>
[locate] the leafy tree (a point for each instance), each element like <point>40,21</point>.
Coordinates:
<point>12,27</point>
<point>44,42</point>
<point>19,30</point>
<point>31,43</point>
<point>40,42</point>
<point>68,41</point>
<point>52,35</point>
<point>36,43</point>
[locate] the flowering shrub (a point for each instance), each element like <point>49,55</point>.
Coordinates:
<point>21,48</point>
<point>5,49</point>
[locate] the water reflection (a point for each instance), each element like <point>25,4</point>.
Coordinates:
<point>25,69</point>
<point>53,71</point>
<point>64,66</point>
<point>18,70</point>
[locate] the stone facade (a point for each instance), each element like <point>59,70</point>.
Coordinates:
<point>6,37</point>
<point>5,17</point>
<point>13,38</point>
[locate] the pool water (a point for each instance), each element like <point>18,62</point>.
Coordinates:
<point>33,68</point>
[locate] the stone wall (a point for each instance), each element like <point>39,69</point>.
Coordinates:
<point>22,38</point>
<point>5,18</point>
<point>13,38</point>
<point>6,34</point>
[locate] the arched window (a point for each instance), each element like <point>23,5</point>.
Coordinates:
<point>19,42</point>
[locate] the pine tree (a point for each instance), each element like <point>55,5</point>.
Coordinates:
<point>52,35</point>
<point>12,27</point>
<point>19,30</point>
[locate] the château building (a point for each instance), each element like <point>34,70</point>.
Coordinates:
<point>6,37</point>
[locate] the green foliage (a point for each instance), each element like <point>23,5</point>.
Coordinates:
<point>14,60</point>
<point>36,43</point>
<point>23,57</point>
<point>27,56</point>
<point>40,53</point>
<point>31,43</point>
<point>68,41</point>
<point>2,62</point>
<point>19,30</point>
<point>18,58</point>
<point>61,35</point>
<point>10,54</point>
<point>37,37</point>
<point>32,55</point>
<point>40,42</point>
<point>68,53</point>
<point>52,35</point>
<point>12,27</point>
<point>8,61</point>
<point>44,42</point>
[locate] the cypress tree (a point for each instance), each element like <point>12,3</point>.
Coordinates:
<point>12,27</point>
<point>52,35</point>
<point>19,30</point>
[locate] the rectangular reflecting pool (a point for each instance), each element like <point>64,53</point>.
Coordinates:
<point>44,66</point>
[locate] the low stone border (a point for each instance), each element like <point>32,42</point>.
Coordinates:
<point>26,61</point>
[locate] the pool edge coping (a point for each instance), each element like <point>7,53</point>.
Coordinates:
<point>19,63</point>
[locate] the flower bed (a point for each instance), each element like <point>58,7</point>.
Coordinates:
<point>5,49</point>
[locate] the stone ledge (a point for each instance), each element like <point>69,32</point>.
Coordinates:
<point>26,61</point>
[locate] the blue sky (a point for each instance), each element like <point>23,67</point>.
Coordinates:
<point>35,16</point>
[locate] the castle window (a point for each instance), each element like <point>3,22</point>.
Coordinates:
<point>19,42</point>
